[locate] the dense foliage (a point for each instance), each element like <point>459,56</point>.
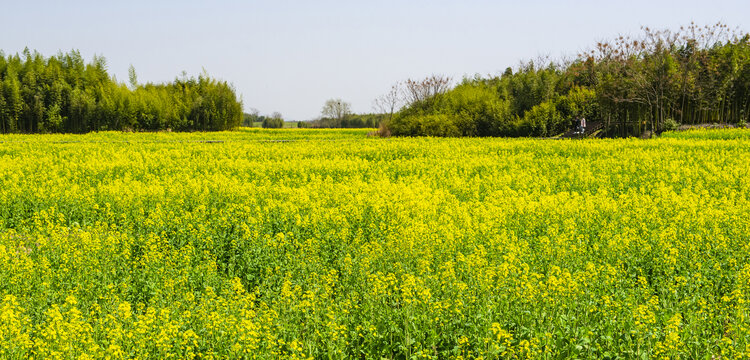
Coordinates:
<point>227,245</point>
<point>629,85</point>
<point>62,93</point>
<point>274,121</point>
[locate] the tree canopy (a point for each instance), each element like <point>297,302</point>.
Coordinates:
<point>63,93</point>
<point>698,74</point>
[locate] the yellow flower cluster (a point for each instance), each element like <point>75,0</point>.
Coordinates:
<point>304,244</point>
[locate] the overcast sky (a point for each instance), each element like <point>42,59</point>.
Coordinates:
<point>290,56</point>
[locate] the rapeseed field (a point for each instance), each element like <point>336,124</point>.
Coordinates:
<point>327,244</point>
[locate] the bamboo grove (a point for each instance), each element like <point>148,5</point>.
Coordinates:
<point>632,84</point>
<point>63,93</point>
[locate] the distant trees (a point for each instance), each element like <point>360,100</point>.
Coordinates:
<point>363,121</point>
<point>350,121</point>
<point>249,118</point>
<point>274,121</point>
<point>336,109</point>
<point>337,113</point>
<point>629,85</point>
<point>62,93</point>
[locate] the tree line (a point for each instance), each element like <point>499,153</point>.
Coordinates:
<point>63,93</point>
<point>336,113</point>
<point>631,85</point>
<point>273,121</point>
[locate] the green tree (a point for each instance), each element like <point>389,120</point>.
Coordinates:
<point>274,121</point>
<point>337,110</point>
<point>132,77</point>
<point>13,106</point>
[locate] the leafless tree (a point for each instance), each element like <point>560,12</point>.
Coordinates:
<point>420,90</point>
<point>389,102</point>
<point>664,73</point>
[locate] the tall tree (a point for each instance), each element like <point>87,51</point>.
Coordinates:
<point>389,102</point>
<point>336,109</point>
<point>132,77</point>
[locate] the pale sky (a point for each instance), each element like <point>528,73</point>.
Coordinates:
<point>291,56</point>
